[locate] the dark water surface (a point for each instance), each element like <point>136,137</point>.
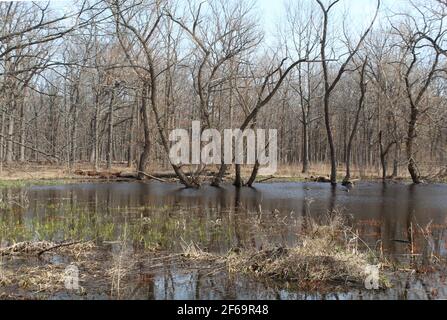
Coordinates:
<point>387,216</point>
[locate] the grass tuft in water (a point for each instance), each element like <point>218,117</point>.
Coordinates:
<point>327,253</point>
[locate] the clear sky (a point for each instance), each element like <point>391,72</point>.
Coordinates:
<point>271,9</point>
<point>360,11</point>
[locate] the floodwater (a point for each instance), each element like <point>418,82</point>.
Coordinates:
<point>388,217</point>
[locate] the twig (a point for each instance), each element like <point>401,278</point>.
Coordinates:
<point>59,246</point>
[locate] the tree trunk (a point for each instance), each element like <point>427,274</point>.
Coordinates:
<point>412,166</point>
<point>130,148</point>
<point>305,147</point>
<point>22,133</point>
<point>396,162</point>
<point>96,129</point>
<point>144,158</point>
<point>326,101</point>
<point>383,155</point>
<point>110,132</point>
<point>238,183</point>
<point>10,145</point>
<point>254,174</point>
<point>2,140</point>
<point>356,123</point>
<point>74,126</point>
<point>332,152</point>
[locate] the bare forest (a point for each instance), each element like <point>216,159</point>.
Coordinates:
<point>102,83</point>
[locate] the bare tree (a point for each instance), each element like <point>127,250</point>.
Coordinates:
<point>330,85</point>
<point>143,37</point>
<point>104,83</point>
<point>413,38</point>
<point>361,102</point>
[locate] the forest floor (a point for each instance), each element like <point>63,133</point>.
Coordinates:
<point>44,174</point>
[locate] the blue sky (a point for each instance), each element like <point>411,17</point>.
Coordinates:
<point>271,11</point>
<point>360,11</point>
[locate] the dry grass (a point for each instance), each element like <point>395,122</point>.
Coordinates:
<point>32,171</point>
<point>37,248</point>
<point>123,263</point>
<point>328,253</point>
<point>328,257</point>
<point>293,172</point>
<point>44,278</point>
<point>39,279</point>
<point>324,169</point>
<point>122,266</point>
<point>193,252</point>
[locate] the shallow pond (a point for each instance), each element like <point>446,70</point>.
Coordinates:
<point>394,218</point>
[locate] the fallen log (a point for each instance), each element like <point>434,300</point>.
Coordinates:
<point>34,247</point>
<point>58,246</point>
<point>165,175</point>
<point>26,247</point>
<point>152,177</point>
<point>266,179</point>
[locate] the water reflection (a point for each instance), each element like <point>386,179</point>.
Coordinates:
<point>400,220</point>
<point>386,215</point>
<point>174,283</point>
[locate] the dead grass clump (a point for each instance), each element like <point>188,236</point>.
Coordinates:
<point>122,267</point>
<point>325,254</point>
<point>40,279</point>
<point>36,279</point>
<point>79,250</point>
<point>193,252</point>
<point>45,277</point>
<point>5,280</point>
